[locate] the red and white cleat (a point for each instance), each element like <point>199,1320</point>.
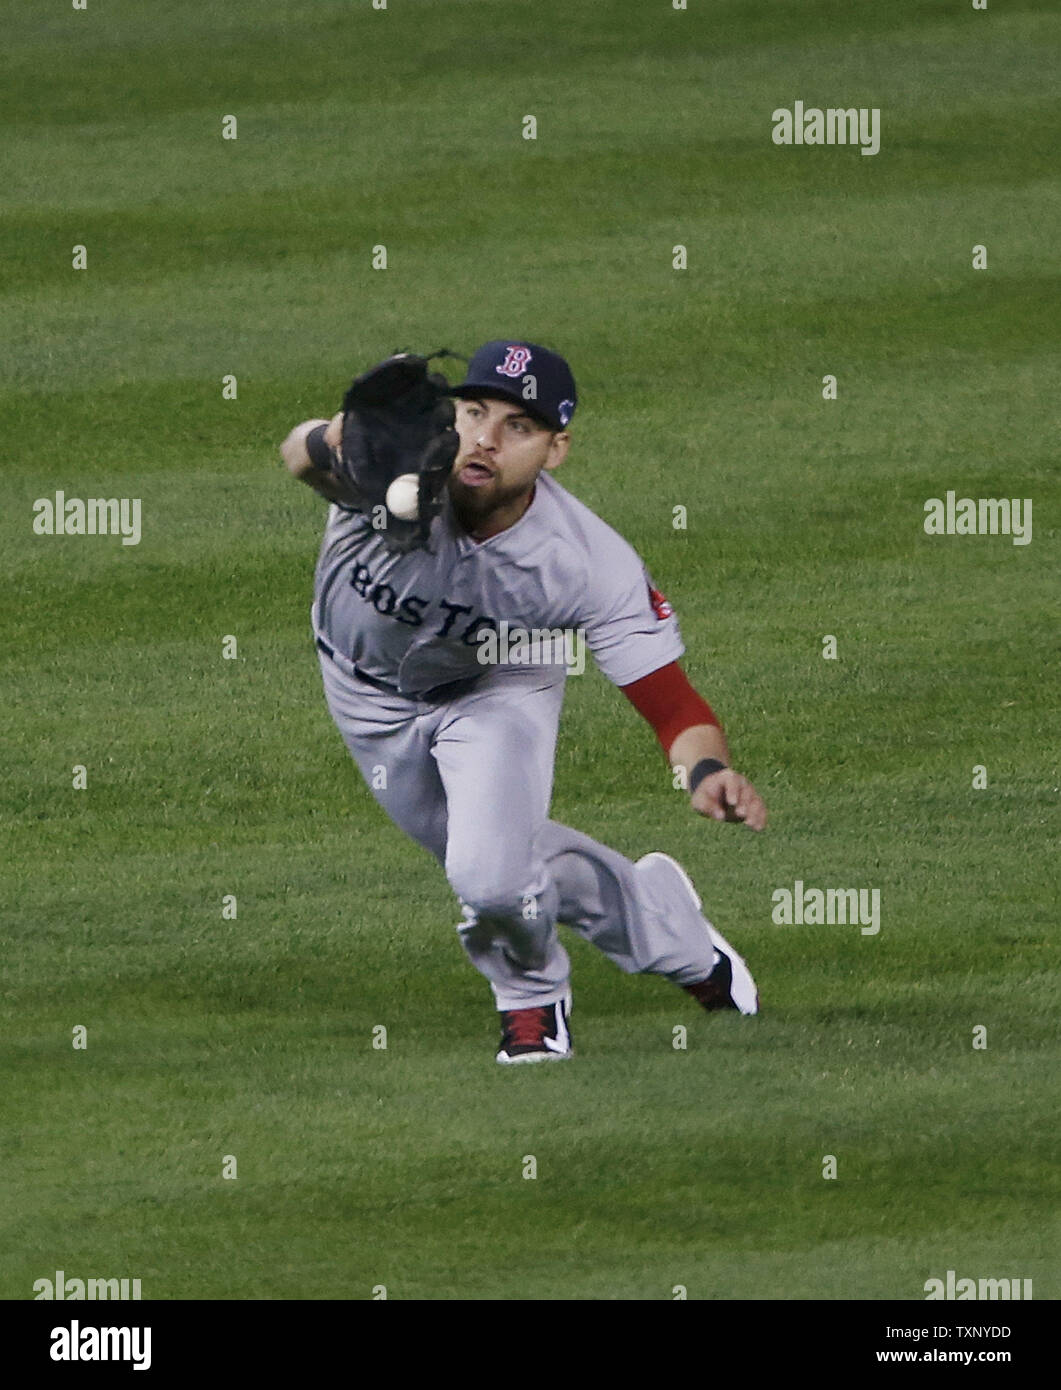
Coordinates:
<point>538,1034</point>
<point>730,984</point>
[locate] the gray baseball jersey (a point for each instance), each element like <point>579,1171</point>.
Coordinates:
<point>466,770</point>
<point>416,620</point>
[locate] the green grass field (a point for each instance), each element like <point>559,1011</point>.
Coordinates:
<point>700,388</point>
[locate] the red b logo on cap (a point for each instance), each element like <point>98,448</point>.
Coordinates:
<point>516,359</point>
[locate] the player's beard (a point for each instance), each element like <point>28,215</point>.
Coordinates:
<point>475,506</point>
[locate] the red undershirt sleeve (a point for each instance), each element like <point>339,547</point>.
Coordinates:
<point>669,703</point>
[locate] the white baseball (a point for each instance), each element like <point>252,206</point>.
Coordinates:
<point>403,497</point>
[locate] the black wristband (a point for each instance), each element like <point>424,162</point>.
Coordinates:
<point>704,768</point>
<point>320,454</point>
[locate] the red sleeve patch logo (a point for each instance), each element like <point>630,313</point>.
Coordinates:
<point>660,605</point>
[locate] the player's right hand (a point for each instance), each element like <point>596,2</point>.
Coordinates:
<point>727,796</point>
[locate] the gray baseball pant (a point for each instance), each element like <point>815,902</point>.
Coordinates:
<point>470,779</point>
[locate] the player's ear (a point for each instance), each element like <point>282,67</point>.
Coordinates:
<point>558,447</point>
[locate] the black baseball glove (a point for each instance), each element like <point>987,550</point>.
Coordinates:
<point>398,418</point>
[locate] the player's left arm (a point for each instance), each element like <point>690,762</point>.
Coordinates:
<point>690,735</point>
<point>307,459</point>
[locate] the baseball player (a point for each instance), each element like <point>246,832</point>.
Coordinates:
<point>433,640</point>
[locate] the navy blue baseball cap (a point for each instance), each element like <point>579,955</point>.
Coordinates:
<point>537,379</point>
